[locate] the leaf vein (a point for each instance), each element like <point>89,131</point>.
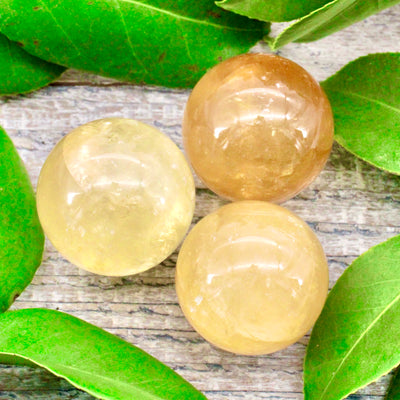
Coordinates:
<point>186,44</point>
<point>7,329</point>
<point>61,28</point>
<point>118,8</point>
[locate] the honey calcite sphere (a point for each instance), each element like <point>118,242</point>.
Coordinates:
<point>252,278</point>
<point>115,196</point>
<point>258,127</point>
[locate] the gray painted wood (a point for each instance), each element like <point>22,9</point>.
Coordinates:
<point>351,207</point>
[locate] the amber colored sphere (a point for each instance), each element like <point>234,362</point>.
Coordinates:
<point>251,278</point>
<point>115,196</point>
<point>257,127</point>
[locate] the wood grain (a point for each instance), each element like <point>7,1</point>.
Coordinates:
<point>351,207</point>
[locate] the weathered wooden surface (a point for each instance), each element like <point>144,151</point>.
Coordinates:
<point>351,207</point>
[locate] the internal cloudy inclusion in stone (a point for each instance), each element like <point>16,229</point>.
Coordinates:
<point>252,278</point>
<point>258,127</point>
<point>115,196</point>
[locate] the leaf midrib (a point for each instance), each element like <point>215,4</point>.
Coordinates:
<point>183,17</point>
<point>372,100</point>
<point>121,384</point>
<point>396,299</point>
<point>314,28</point>
<point>308,17</point>
<point>55,369</point>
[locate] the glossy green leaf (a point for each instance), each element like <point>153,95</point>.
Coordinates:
<point>332,17</point>
<point>365,98</point>
<point>88,357</point>
<point>154,42</point>
<point>274,11</point>
<point>356,339</point>
<point>21,237</point>
<point>394,388</point>
<point>21,72</point>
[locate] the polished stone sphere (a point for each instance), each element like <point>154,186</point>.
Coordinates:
<point>257,127</point>
<point>115,196</point>
<point>251,278</point>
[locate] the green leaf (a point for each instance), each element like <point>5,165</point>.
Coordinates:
<point>273,11</point>
<point>154,42</point>
<point>394,388</point>
<point>365,98</point>
<point>20,72</point>
<point>88,357</point>
<point>21,237</point>
<point>332,17</point>
<point>356,339</point>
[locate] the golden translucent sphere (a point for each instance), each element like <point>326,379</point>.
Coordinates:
<point>258,127</point>
<point>251,278</point>
<point>115,196</point>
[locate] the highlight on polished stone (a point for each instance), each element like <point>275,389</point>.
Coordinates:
<point>115,196</point>
<point>252,278</point>
<point>258,127</point>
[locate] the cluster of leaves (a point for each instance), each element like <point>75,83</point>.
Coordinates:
<point>354,341</point>
<point>156,42</point>
<point>317,18</point>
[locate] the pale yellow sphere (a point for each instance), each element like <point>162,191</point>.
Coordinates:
<point>252,278</point>
<point>115,196</point>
